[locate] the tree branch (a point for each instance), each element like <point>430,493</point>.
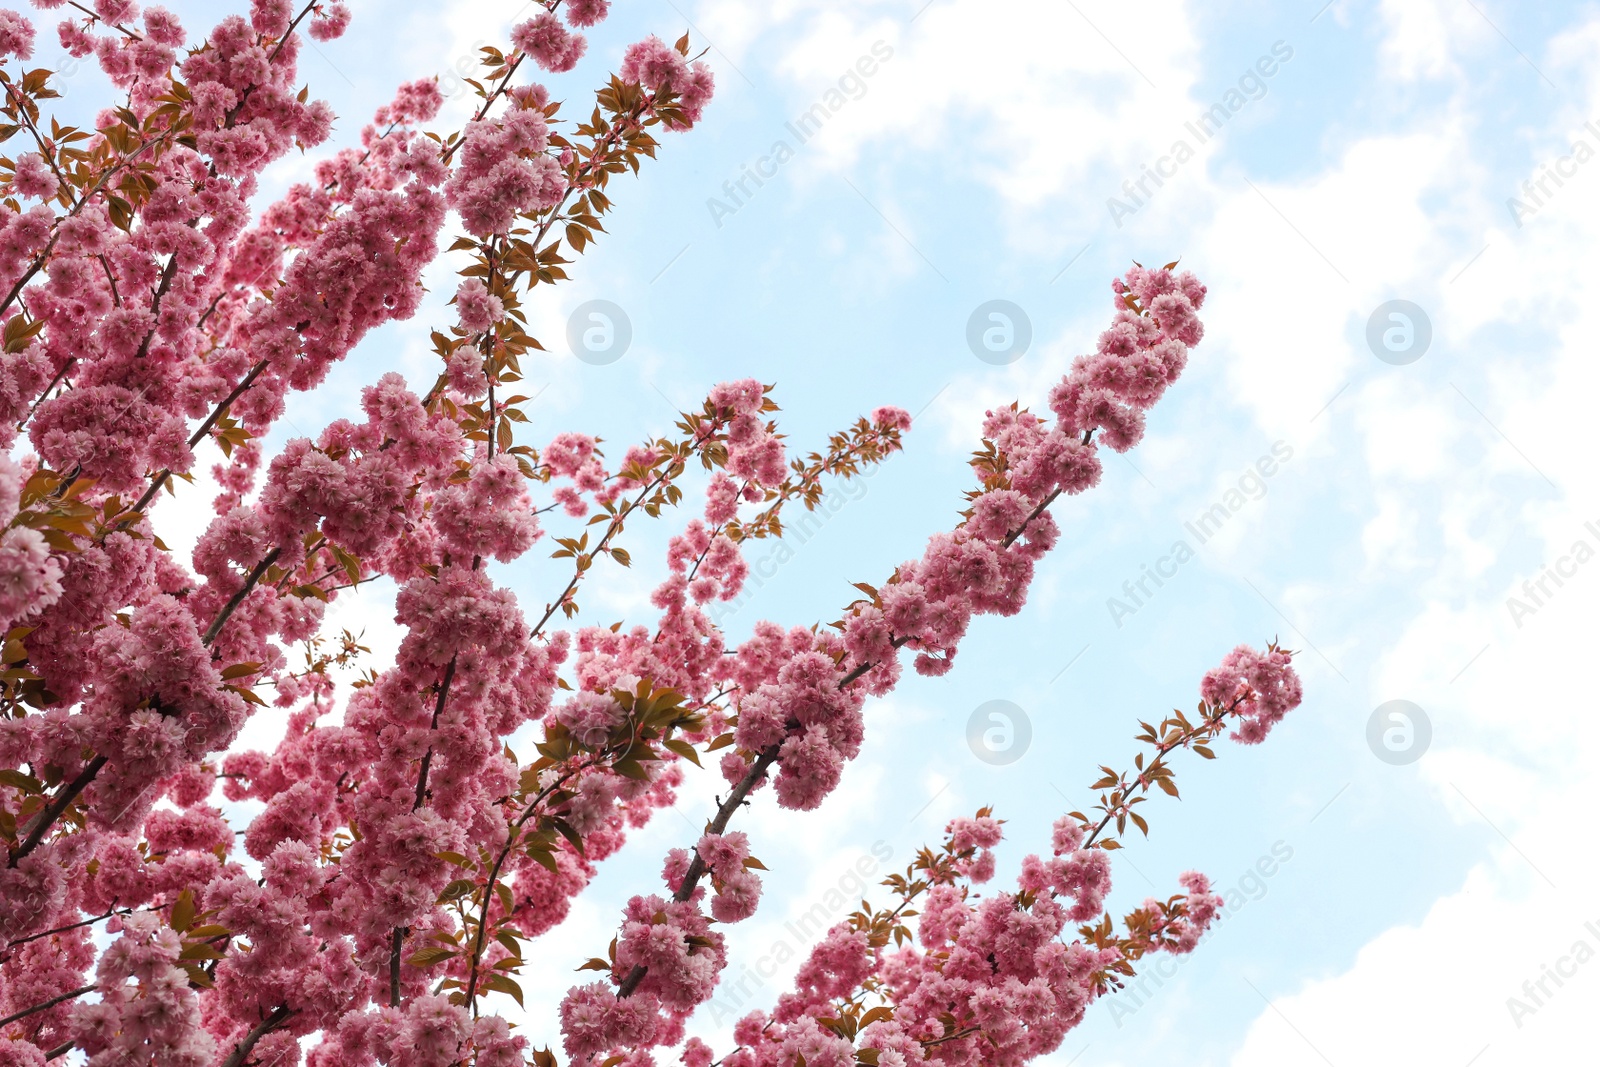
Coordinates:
<point>64,796</point>
<point>238,597</point>
<point>242,1051</point>
<point>697,866</point>
<point>52,1002</point>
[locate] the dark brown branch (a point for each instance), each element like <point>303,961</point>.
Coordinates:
<point>65,796</point>
<point>44,147</point>
<point>615,526</point>
<point>1210,725</point>
<point>73,926</point>
<point>697,866</point>
<point>958,1035</point>
<point>200,434</point>
<point>399,939</point>
<point>241,1051</point>
<point>47,1005</point>
<point>238,597</point>
<point>119,27</point>
<point>60,374</point>
<point>505,83</point>
<point>438,710</point>
<point>768,756</point>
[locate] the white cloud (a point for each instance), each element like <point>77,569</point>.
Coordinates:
<point>1425,37</point>
<point>1520,723</point>
<point>1053,92</point>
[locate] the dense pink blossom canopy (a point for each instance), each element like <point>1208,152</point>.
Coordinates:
<point>405,857</point>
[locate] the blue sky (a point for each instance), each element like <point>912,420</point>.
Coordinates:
<point>1406,903</point>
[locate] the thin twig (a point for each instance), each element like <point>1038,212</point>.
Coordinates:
<point>52,1002</point>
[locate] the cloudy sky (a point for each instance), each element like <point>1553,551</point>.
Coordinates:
<point>1394,882</point>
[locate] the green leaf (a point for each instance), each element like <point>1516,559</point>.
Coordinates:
<point>197,974</point>
<point>207,932</point>
<point>183,911</point>
<point>430,954</point>
<point>631,769</point>
<point>570,834</point>
<point>460,887</point>
<point>684,749</point>
<point>199,950</point>
<point>512,945</point>
<point>18,780</point>
<point>503,983</point>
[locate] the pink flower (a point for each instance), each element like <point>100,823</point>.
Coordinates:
<point>16,1053</point>
<point>1066,835</point>
<point>415,101</point>
<point>590,717</point>
<point>548,42</point>
<point>115,11</point>
<point>657,66</point>
<point>465,372</point>
<point>329,21</point>
<point>16,35</point>
<point>476,307</point>
<point>722,499</point>
<point>490,515</point>
<point>270,18</point>
<point>30,579</point>
<point>892,418</point>
<point>504,171</point>
<point>738,898</point>
<point>1175,315</point>
<point>724,854</point>
<point>652,63</point>
<point>594,1020</point>
<point>1260,688</point>
<point>162,27</point>
<point>33,177</point>
<point>696,1053</point>
<point>588,13</point>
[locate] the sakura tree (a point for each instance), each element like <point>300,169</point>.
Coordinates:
<point>408,856</point>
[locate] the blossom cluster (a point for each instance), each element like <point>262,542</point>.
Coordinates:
<point>1263,684</point>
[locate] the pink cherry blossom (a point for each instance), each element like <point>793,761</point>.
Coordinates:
<point>548,42</point>
<point>16,35</point>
